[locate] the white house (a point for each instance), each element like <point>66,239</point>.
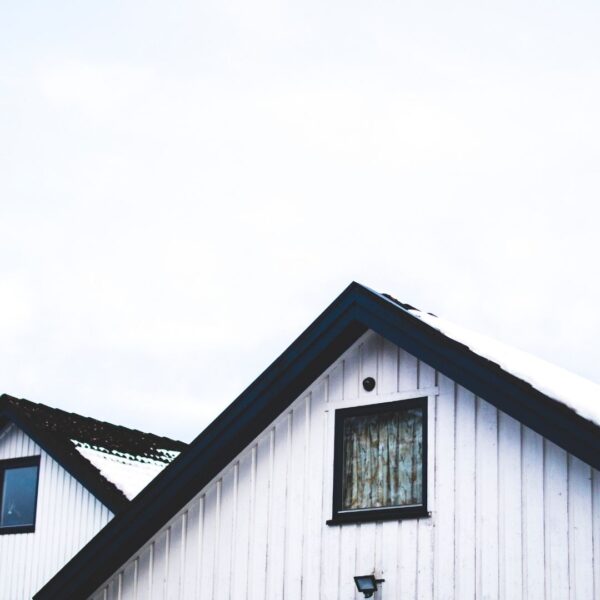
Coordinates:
<point>386,442</point>
<point>62,478</point>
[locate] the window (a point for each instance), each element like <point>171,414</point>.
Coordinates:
<point>18,494</point>
<point>380,462</point>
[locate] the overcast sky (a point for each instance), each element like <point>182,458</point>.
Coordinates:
<point>184,186</point>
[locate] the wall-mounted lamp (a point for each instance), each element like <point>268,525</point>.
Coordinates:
<point>367,584</point>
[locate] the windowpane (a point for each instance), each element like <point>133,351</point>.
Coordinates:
<point>383,460</point>
<point>19,496</point>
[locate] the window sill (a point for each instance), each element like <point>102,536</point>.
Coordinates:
<point>17,529</point>
<point>369,516</point>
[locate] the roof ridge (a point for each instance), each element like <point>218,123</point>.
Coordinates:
<point>395,300</point>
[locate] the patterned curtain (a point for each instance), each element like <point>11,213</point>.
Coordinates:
<point>382,459</point>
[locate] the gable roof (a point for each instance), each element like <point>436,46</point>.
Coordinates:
<point>355,311</point>
<point>114,463</point>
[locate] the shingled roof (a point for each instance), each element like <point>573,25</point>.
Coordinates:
<point>113,462</point>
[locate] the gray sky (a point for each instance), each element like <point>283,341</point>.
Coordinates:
<point>185,186</point>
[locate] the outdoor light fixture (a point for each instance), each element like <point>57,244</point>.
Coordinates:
<point>367,584</point>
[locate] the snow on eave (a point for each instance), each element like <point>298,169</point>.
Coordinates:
<point>575,392</point>
<point>129,473</point>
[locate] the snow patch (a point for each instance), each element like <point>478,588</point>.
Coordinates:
<point>575,392</point>
<point>131,474</point>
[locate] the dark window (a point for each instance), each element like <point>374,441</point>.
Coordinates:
<point>18,494</point>
<point>380,462</point>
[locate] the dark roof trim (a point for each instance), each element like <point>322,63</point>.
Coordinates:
<point>488,380</point>
<point>81,469</point>
<point>343,322</point>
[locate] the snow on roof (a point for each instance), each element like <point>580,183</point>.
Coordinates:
<point>131,474</point>
<point>575,392</point>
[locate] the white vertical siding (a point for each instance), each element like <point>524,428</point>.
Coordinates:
<point>68,516</point>
<point>512,515</point>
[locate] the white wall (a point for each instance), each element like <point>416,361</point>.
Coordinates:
<point>513,516</point>
<point>68,516</point>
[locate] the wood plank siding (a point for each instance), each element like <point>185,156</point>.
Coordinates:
<point>513,516</point>
<point>68,516</point>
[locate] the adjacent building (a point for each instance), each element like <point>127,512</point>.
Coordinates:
<point>63,477</point>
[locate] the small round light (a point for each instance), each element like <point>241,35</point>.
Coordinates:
<point>369,384</point>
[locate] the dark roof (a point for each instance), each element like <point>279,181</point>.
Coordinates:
<point>54,430</point>
<point>355,311</point>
